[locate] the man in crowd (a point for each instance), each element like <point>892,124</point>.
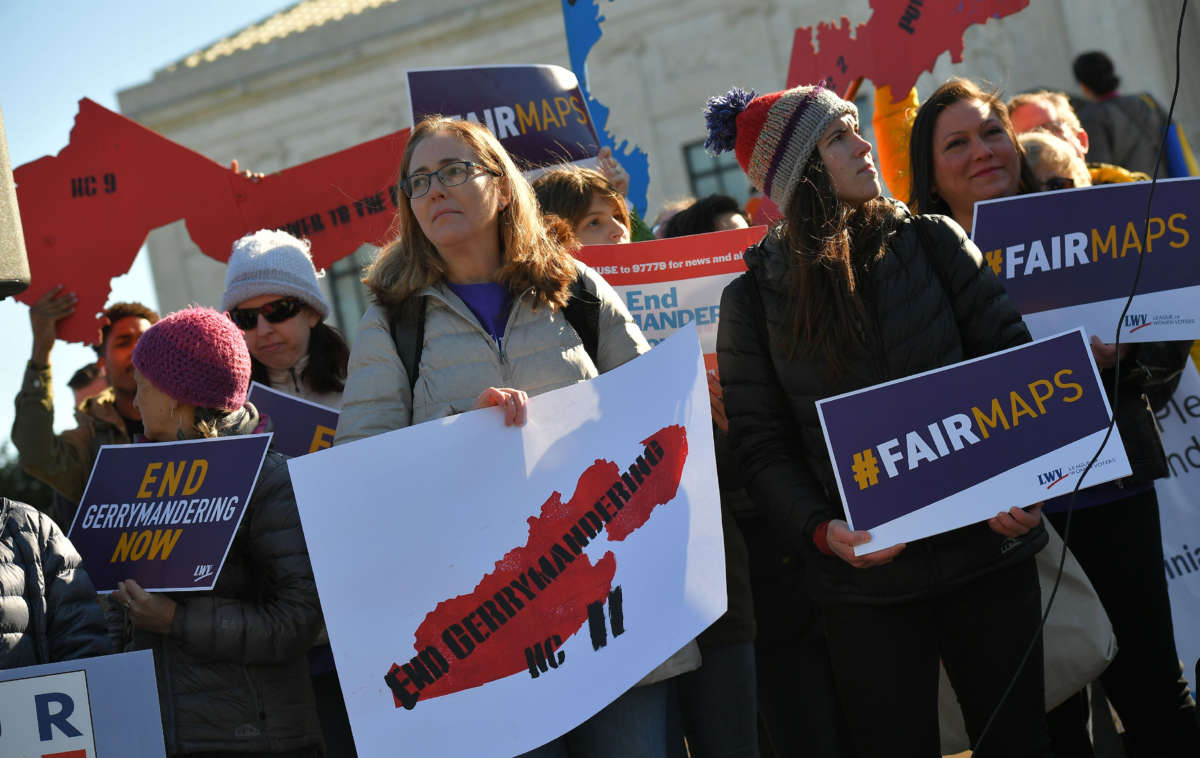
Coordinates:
<point>1052,112</point>
<point>64,461</point>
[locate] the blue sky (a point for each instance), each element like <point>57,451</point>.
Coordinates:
<point>53,55</point>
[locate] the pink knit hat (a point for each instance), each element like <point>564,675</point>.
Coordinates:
<point>198,357</point>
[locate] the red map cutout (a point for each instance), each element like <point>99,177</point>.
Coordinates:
<point>902,39</point>
<point>87,211</point>
<point>541,589</point>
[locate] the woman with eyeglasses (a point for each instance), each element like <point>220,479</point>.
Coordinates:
<point>475,277</point>
<point>273,295</point>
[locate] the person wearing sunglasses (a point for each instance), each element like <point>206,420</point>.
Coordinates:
<point>475,270</point>
<point>1054,163</point>
<point>273,296</point>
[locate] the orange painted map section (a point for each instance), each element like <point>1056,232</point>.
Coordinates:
<point>901,40</point>
<point>87,211</point>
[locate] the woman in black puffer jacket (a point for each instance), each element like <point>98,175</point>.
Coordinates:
<point>232,663</point>
<point>851,291</point>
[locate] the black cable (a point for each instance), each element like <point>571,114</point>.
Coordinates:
<point>1062,558</point>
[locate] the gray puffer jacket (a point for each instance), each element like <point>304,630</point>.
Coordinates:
<point>540,352</point>
<point>48,607</point>
<point>233,673</point>
<point>930,302</point>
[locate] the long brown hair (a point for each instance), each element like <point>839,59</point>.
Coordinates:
<point>567,192</point>
<point>827,240</point>
<point>922,196</point>
<point>529,258</point>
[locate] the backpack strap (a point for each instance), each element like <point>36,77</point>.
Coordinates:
<point>408,334</point>
<point>583,314</point>
<point>408,326</point>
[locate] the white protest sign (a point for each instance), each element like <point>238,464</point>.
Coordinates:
<point>1178,497</point>
<point>47,714</point>
<point>488,588</point>
<point>669,283</point>
<point>103,706</point>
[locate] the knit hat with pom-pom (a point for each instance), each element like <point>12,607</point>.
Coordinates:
<point>773,135</point>
<point>197,356</point>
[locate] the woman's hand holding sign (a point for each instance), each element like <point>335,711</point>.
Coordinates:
<point>842,542</point>
<point>1016,522</point>
<point>151,611</point>
<point>514,403</point>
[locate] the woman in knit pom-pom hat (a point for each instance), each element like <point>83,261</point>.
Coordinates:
<point>232,662</point>
<point>272,294</point>
<point>849,291</point>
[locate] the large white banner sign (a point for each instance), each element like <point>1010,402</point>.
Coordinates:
<point>488,588</point>
<point>1179,503</point>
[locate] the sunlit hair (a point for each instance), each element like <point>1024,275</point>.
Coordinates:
<point>922,197</point>
<point>529,258</point>
<point>568,192</point>
<point>1045,150</point>
<point>826,238</point>
<point>1059,103</point>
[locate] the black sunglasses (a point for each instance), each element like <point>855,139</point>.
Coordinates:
<point>274,312</point>
<point>1058,182</point>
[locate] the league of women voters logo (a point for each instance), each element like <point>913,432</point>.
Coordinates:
<point>542,592</point>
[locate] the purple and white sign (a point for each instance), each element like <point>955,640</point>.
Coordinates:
<point>1068,258</point>
<point>300,426</point>
<point>957,445</point>
<point>165,513</point>
<point>536,111</point>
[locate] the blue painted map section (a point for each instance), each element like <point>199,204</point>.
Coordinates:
<point>582,19</point>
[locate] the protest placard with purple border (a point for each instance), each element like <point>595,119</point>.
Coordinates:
<point>164,514</point>
<point>536,111</point>
<point>1068,258</point>
<point>950,447</point>
<point>300,426</point>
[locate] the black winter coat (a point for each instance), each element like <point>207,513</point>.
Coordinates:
<point>930,302</point>
<point>233,673</point>
<point>48,606</point>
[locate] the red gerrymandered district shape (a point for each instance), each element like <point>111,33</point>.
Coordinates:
<point>902,39</point>
<point>87,211</point>
<point>561,607</point>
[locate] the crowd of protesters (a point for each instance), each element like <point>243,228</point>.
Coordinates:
<point>478,302</point>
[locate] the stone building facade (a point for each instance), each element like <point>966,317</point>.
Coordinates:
<point>323,75</point>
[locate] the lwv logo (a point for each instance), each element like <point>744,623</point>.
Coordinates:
<point>1051,477</point>
<point>1135,321</point>
<point>202,572</point>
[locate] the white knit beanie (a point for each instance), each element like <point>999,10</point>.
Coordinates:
<point>271,262</point>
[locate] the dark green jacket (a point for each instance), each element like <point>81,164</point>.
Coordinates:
<point>63,461</point>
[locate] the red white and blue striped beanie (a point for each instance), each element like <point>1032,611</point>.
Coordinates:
<point>773,135</point>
